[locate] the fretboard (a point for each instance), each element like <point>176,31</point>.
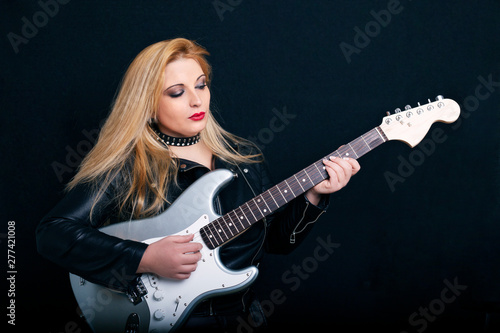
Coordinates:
<point>228,226</point>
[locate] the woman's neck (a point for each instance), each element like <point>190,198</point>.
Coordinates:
<point>198,153</point>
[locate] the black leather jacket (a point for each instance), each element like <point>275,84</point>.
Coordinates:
<point>68,237</point>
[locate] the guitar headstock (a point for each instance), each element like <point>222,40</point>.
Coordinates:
<point>412,124</point>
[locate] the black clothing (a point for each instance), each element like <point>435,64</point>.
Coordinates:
<point>68,237</point>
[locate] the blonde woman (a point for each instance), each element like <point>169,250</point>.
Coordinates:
<point>137,169</point>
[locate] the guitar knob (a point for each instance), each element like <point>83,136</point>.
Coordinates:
<point>158,295</point>
<point>408,107</point>
<point>159,315</point>
<point>398,110</point>
<point>439,97</point>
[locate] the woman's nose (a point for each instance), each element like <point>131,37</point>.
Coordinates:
<point>195,99</point>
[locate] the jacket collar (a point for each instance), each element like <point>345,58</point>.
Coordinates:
<point>186,165</point>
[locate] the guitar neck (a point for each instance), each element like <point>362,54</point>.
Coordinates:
<point>238,220</point>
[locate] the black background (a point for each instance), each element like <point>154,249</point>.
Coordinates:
<point>397,244</point>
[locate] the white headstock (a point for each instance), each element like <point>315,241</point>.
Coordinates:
<point>412,124</point>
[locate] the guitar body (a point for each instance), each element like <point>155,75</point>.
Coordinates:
<point>168,302</point>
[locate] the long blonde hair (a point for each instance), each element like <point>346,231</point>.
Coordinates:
<point>126,136</point>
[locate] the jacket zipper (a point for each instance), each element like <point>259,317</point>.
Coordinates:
<point>295,232</point>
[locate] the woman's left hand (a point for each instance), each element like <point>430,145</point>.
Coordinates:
<point>340,171</point>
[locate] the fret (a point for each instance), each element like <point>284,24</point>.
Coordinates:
<point>319,174</point>
<point>353,150</point>
<point>382,136</point>
<point>230,227</point>
<point>280,197</point>
<point>272,196</point>
<point>381,133</point>
<point>255,218</point>
<point>235,218</point>
<point>206,237</point>
<point>369,140</point>
<point>307,174</point>
<point>282,194</point>
<point>289,195</point>
<point>243,217</point>
<point>211,235</point>
<point>305,177</point>
<point>266,210</point>
<point>267,196</point>
<point>231,224</point>
<point>210,230</point>
<point>375,138</point>
<point>290,188</point>
<point>345,151</point>
<point>360,147</point>
<point>285,191</point>
<point>315,174</point>
<point>366,143</point>
<point>298,182</point>
<point>221,230</point>
<point>273,204</point>
<point>257,205</point>
<point>321,171</point>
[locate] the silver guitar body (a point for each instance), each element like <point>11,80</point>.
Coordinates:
<point>168,302</point>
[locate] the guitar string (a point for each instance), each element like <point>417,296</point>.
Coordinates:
<point>360,145</point>
<point>274,192</point>
<point>374,136</point>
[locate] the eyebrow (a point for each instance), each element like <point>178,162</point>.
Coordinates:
<point>181,84</point>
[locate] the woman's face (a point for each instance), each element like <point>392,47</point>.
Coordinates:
<point>185,99</point>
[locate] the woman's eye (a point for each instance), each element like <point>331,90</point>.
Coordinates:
<point>201,86</point>
<point>176,94</point>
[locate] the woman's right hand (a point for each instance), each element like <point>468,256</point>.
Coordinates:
<point>173,257</point>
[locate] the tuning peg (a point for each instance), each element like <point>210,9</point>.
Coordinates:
<point>439,97</point>
<point>388,113</point>
<point>408,107</point>
<point>398,110</point>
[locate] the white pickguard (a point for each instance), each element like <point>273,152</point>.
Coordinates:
<point>180,296</point>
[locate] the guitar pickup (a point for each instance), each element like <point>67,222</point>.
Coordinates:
<point>136,290</point>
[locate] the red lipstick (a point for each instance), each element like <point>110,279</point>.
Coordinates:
<point>197,116</point>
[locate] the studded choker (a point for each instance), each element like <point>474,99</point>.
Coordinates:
<point>168,140</point>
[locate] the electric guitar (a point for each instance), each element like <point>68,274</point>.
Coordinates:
<point>162,304</point>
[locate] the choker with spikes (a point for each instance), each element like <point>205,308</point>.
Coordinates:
<point>168,140</point>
